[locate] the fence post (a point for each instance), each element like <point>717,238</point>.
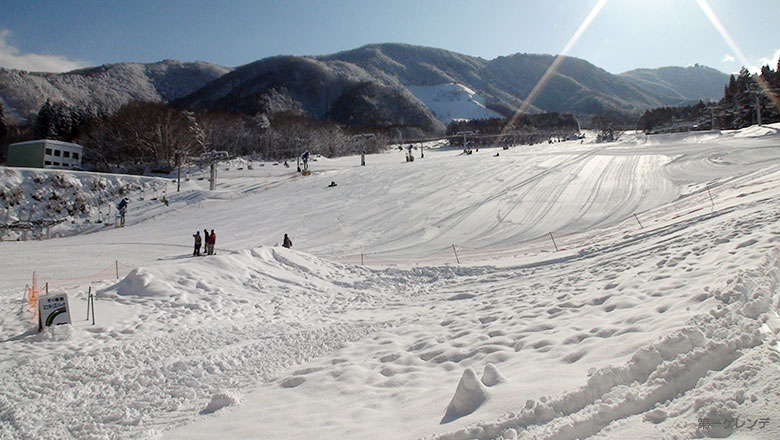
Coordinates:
<point>89,295</point>
<point>456,254</point>
<point>640,223</point>
<point>553,240</point>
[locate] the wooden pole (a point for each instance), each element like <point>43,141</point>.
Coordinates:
<point>116,264</point>
<point>456,254</point>
<point>640,223</point>
<point>89,295</point>
<point>553,240</point>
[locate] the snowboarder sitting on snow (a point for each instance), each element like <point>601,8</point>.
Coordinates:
<point>287,242</point>
<point>196,253</point>
<point>332,184</point>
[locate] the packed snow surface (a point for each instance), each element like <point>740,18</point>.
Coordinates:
<point>554,291</point>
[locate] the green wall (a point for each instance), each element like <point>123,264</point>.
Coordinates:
<point>29,155</point>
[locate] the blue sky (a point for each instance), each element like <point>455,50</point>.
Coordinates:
<point>626,34</point>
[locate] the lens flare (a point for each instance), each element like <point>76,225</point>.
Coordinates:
<point>705,7</point>
<point>554,65</point>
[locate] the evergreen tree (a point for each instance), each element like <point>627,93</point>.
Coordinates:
<point>54,121</point>
<point>42,126</point>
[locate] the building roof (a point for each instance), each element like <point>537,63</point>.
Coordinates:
<point>49,141</point>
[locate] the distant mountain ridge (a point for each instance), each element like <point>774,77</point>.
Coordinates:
<point>107,87</point>
<point>681,83</point>
<point>369,86</point>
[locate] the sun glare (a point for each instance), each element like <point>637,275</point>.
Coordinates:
<point>556,62</point>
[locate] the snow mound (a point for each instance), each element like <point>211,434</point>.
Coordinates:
<point>758,130</point>
<point>221,400</point>
<point>491,376</point>
<point>142,282</point>
<point>469,396</point>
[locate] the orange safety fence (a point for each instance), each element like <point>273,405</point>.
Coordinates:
<point>112,272</point>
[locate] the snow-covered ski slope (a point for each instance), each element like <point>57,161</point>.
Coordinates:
<point>660,331</point>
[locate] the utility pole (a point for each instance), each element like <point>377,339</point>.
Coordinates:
<point>712,113</point>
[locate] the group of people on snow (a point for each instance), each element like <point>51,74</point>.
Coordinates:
<point>207,241</point>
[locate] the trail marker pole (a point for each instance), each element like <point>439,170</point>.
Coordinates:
<point>92,302</point>
<point>361,259</point>
<point>640,223</point>
<point>116,264</point>
<point>553,240</point>
<point>89,296</point>
<point>456,254</point>
<point>712,202</point>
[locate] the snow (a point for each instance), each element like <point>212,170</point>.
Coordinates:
<point>453,101</point>
<point>370,328</point>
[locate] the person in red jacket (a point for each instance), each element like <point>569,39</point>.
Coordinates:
<point>211,240</point>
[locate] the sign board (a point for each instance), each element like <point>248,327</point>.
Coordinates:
<point>53,310</point>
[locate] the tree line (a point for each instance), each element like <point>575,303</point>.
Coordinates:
<point>543,122</point>
<point>742,96</point>
<point>143,135</point>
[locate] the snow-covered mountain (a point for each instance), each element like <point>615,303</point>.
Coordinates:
<point>674,84</point>
<point>371,86</point>
<point>453,101</point>
<point>106,87</point>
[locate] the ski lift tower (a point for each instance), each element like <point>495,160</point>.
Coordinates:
<point>303,163</point>
<point>213,158</point>
<point>359,143</point>
<point>466,148</point>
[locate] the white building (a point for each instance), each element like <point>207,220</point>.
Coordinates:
<point>45,153</point>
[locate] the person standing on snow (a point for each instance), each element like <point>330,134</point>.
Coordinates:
<point>212,240</point>
<point>196,252</point>
<point>287,242</point>
<point>205,241</point>
<point>122,207</point>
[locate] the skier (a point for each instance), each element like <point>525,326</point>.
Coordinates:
<point>212,240</point>
<point>196,252</point>
<point>205,241</point>
<point>122,207</point>
<point>287,242</point>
